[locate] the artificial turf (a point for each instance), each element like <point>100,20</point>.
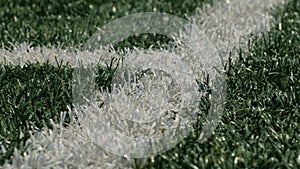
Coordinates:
<point>37,92</point>
<point>73,22</point>
<point>259,127</point>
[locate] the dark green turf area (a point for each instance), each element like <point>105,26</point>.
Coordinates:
<point>30,96</point>
<point>259,128</point>
<point>71,22</point>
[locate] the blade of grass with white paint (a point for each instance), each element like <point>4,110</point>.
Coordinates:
<point>228,24</point>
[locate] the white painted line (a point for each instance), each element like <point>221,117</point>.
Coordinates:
<point>229,23</point>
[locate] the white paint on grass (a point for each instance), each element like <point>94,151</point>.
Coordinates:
<point>24,53</point>
<point>228,24</point>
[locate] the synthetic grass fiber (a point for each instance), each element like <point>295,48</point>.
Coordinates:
<point>259,127</point>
